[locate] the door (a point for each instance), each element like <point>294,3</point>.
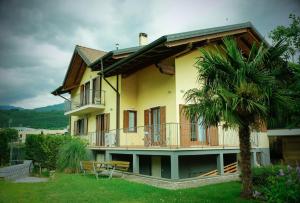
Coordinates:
<point>193,131</point>
<point>155,126</point>
<point>102,127</point>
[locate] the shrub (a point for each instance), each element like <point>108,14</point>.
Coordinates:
<point>71,154</point>
<point>278,184</point>
<point>7,135</point>
<point>44,149</point>
<point>261,174</point>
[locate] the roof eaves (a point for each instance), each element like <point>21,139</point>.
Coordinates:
<point>135,54</point>
<point>203,32</point>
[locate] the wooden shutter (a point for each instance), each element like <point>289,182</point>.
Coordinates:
<point>163,125</point>
<point>185,127</point>
<point>212,134</point>
<point>75,128</point>
<point>125,121</point>
<point>81,95</point>
<point>106,122</point>
<point>87,93</point>
<point>85,126</point>
<point>147,136</point>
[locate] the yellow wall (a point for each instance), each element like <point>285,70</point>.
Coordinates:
<point>110,101</point>
<point>186,78</point>
<point>147,88</point>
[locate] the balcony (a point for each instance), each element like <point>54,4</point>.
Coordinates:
<point>85,102</point>
<point>168,136</point>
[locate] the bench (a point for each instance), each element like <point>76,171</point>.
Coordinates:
<point>96,167</point>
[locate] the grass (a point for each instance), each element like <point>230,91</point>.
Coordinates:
<point>78,188</point>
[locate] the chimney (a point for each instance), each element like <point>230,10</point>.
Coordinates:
<point>143,39</point>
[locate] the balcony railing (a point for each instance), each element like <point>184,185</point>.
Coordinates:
<point>90,97</point>
<point>169,135</point>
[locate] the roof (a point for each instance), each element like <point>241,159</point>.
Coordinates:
<point>208,31</point>
<point>169,45</point>
<point>131,59</point>
<point>89,55</point>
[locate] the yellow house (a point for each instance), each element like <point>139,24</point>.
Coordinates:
<point>127,104</point>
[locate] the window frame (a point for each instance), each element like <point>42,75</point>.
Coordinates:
<point>134,129</point>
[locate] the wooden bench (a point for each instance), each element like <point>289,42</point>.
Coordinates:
<point>88,167</point>
<point>96,167</point>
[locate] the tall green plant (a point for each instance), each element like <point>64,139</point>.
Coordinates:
<point>6,136</point>
<point>238,90</point>
<point>71,154</point>
<point>44,149</point>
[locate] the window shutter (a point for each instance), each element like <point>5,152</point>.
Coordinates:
<point>162,125</point>
<point>147,132</point>
<point>81,95</point>
<point>125,121</point>
<point>185,125</point>
<point>85,126</point>
<point>212,133</point>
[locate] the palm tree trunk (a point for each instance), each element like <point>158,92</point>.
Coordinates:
<point>245,146</point>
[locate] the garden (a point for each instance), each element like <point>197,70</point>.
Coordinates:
<point>62,154</point>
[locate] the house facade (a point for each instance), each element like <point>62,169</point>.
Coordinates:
<point>127,104</point>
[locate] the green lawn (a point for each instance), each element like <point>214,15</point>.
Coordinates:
<point>77,188</point>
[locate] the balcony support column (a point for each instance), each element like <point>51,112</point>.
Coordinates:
<point>135,164</point>
<point>174,167</point>
<point>108,156</point>
<point>220,164</point>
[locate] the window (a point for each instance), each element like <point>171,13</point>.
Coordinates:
<point>130,121</point>
<point>81,126</point>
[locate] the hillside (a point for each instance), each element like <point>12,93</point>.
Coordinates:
<point>55,107</point>
<point>8,107</point>
<point>41,118</point>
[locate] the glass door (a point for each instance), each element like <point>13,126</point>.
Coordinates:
<point>155,123</point>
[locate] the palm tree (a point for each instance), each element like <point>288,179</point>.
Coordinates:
<point>238,90</point>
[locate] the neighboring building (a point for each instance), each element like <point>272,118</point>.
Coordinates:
<point>127,104</point>
<point>285,146</point>
<point>24,131</point>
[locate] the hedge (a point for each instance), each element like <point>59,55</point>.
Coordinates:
<point>44,149</point>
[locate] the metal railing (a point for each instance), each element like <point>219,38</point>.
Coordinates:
<point>169,135</point>
<point>95,97</point>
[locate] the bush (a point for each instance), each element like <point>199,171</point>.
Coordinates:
<point>44,149</point>
<point>71,154</point>
<point>7,135</point>
<point>261,174</point>
<point>278,183</point>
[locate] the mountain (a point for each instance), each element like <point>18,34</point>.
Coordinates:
<point>48,117</point>
<point>55,107</point>
<point>8,107</point>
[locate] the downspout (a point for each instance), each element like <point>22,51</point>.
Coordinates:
<point>117,102</point>
<point>69,130</point>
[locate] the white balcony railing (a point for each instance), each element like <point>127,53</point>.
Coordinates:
<point>169,135</point>
<point>91,97</point>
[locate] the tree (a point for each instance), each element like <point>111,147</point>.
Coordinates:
<point>291,35</point>
<point>6,136</point>
<point>238,91</point>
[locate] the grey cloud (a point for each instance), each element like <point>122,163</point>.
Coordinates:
<point>37,37</point>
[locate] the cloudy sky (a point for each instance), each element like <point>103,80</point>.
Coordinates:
<point>37,38</point>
